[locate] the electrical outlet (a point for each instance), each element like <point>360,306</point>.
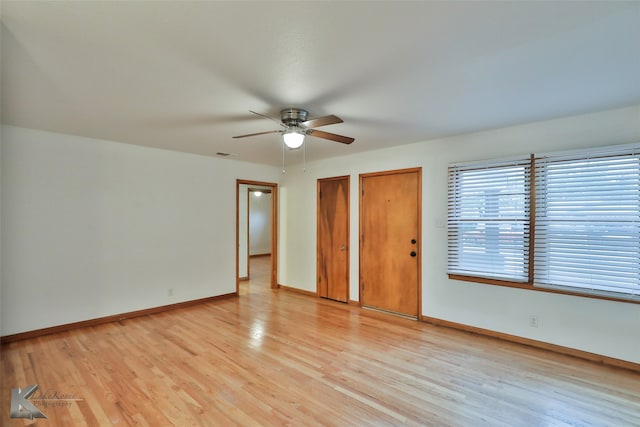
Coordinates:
<point>533,321</point>
<point>170,292</point>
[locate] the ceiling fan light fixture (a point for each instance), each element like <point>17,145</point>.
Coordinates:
<point>293,138</point>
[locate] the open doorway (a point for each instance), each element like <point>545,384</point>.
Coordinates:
<point>256,234</point>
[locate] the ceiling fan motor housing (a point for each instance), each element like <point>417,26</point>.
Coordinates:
<point>293,116</point>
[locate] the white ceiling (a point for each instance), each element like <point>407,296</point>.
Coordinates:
<point>182,75</point>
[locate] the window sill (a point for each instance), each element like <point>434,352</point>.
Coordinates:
<point>531,287</point>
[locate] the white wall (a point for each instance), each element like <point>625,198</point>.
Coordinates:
<point>603,327</point>
<point>243,231</point>
<point>94,228</point>
<point>259,224</point>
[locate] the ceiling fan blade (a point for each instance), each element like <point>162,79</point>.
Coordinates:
<point>331,136</point>
<point>256,134</point>
<point>270,118</point>
<point>322,121</point>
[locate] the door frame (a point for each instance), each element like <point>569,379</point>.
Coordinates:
<point>361,178</point>
<point>348,187</point>
<point>274,230</point>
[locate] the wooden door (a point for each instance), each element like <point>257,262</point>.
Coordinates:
<point>390,231</point>
<point>332,262</point>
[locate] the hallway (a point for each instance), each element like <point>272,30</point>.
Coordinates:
<point>259,273</point>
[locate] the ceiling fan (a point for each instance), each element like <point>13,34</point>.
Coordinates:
<point>296,126</point>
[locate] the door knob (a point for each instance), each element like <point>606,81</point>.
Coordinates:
<point>413,253</point>
<point>414,241</point>
<point>343,247</point>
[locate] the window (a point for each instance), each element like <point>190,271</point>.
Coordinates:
<point>488,220</point>
<point>588,222</point>
<point>567,222</point>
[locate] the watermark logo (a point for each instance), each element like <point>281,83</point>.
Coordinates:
<point>23,399</point>
<point>21,407</point>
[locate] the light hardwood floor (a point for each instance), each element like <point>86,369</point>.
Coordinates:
<point>280,358</point>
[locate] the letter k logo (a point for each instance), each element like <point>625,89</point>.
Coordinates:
<point>21,407</point>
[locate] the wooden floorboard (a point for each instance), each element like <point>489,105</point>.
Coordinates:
<point>272,357</point>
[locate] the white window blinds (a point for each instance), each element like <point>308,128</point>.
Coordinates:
<point>488,220</point>
<point>587,221</point>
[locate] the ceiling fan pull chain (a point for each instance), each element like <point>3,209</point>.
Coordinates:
<point>283,170</point>
<point>304,158</point>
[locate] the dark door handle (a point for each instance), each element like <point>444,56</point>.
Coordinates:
<point>413,253</point>
<point>414,241</point>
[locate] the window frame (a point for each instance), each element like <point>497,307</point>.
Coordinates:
<point>462,217</point>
